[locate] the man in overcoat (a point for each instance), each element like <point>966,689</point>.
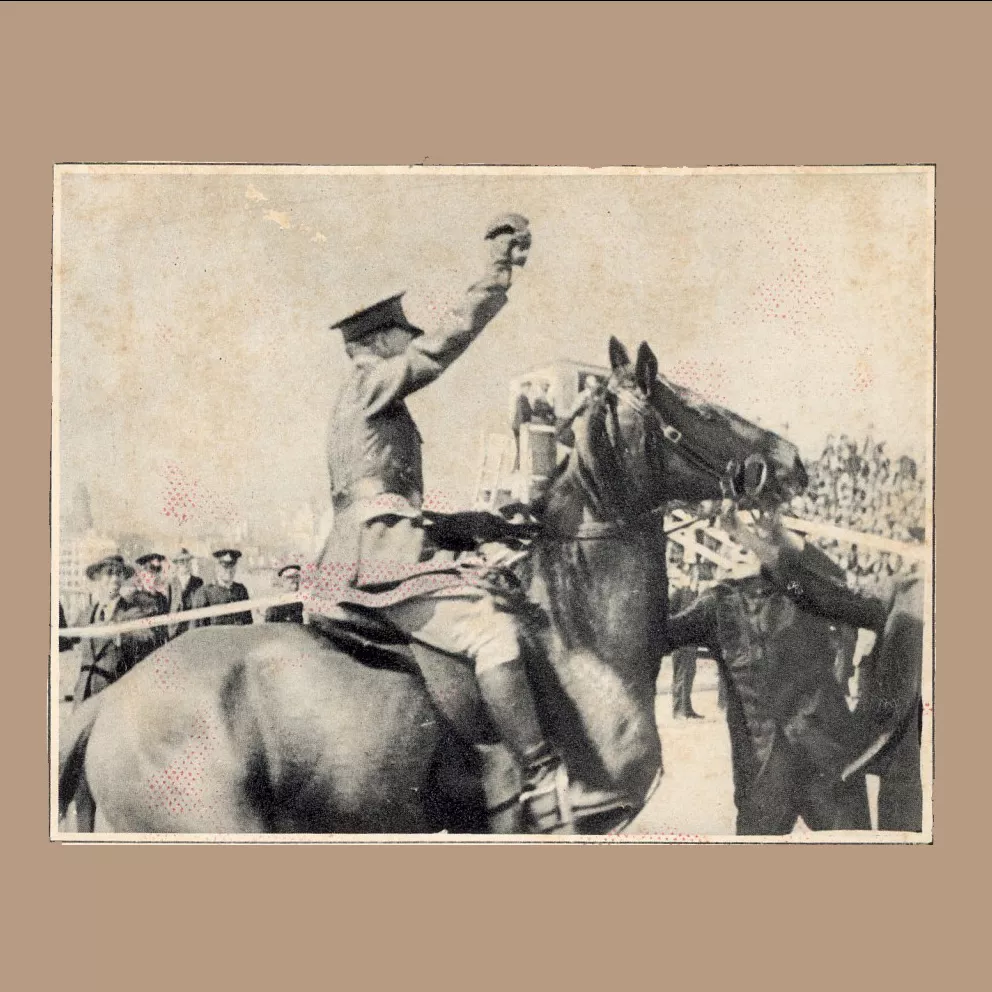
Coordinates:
<point>106,659</point>
<point>791,732</point>
<point>289,579</point>
<point>183,585</point>
<point>890,706</point>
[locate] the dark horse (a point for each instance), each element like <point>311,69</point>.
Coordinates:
<point>277,728</point>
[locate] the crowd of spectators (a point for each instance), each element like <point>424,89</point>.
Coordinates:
<point>860,487</point>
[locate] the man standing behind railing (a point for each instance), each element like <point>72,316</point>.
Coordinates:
<point>223,590</point>
<point>183,585</point>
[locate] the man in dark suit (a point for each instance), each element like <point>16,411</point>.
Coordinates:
<point>521,415</point>
<point>791,733</point>
<point>890,708</point>
<point>224,590</point>
<point>542,410</point>
<point>289,576</point>
<point>684,659</point>
<point>183,585</point>
<point>106,659</point>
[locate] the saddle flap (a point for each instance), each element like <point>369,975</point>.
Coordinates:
<point>370,638</point>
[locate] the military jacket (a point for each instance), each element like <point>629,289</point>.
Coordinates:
<point>217,595</point>
<point>374,455</point>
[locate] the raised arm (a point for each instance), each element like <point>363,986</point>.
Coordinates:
<point>781,556</point>
<point>427,357</point>
<point>824,597</point>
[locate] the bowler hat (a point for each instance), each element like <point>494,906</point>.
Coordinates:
<point>110,564</point>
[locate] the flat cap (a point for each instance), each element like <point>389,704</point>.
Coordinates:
<point>227,556</point>
<point>152,558</point>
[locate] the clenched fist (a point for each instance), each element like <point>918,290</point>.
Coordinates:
<point>509,240</point>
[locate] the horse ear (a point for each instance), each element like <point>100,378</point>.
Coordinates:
<point>646,370</point>
<point>618,355</point>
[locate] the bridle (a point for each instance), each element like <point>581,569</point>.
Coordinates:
<point>725,477</point>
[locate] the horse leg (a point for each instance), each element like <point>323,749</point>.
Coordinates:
<point>85,808</point>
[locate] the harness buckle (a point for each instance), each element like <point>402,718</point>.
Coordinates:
<point>672,433</point>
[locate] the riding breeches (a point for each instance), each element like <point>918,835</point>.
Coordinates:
<point>464,621</point>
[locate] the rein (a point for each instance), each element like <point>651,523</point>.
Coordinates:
<point>621,528</point>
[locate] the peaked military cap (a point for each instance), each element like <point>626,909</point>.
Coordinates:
<point>152,558</point>
<point>378,317</point>
<point>110,564</point>
<point>227,556</point>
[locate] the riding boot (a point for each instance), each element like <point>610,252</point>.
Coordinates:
<point>506,692</point>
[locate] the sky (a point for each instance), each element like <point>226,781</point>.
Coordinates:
<point>194,362</point>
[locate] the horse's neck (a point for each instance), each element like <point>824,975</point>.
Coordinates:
<point>607,593</point>
<point>607,596</point>
<point>607,603</point>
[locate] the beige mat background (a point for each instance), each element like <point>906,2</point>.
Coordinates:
<point>549,84</point>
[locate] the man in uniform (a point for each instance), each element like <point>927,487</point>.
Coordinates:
<point>543,411</point>
<point>106,659</point>
<point>183,585</point>
<point>791,733</point>
<point>223,590</point>
<point>684,660</point>
<point>521,415</point>
<point>379,552</point>
<point>890,706</point>
<point>289,579</point>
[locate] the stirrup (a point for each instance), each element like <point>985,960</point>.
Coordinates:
<point>547,807</point>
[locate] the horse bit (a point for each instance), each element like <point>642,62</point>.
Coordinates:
<point>725,478</point>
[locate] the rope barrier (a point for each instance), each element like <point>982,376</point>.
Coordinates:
<point>173,619</point>
<point>812,528</point>
<point>817,529</point>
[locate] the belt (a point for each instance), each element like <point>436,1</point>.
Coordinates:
<point>373,491</point>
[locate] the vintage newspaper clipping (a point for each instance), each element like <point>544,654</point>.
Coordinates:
<point>492,505</point>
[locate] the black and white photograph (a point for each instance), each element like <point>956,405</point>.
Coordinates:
<point>492,504</point>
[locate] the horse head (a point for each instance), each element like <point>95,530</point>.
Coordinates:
<point>640,443</point>
<point>706,451</point>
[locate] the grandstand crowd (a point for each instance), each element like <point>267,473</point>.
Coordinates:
<point>858,486</point>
